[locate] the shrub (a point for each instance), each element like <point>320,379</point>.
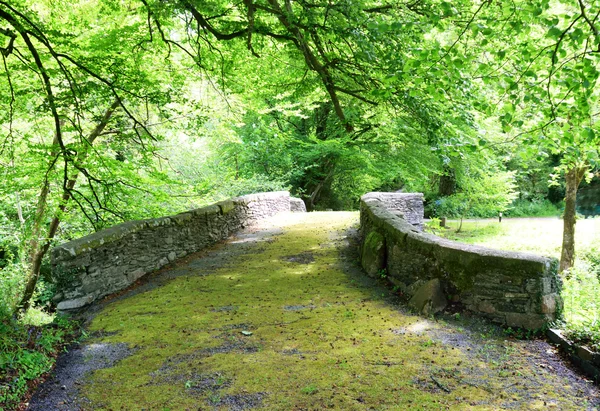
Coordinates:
<point>581,293</point>
<point>534,208</point>
<point>591,256</point>
<point>28,350</point>
<point>12,282</point>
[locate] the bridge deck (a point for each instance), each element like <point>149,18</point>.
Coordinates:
<point>281,318</point>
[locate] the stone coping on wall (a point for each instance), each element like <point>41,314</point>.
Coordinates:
<point>512,288</point>
<point>75,247</point>
<point>583,357</point>
<point>408,206</point>
<point>112,259</point>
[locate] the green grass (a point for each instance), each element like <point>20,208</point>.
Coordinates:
<point>581,290</point>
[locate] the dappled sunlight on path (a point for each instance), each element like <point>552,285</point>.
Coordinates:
<point>281,318</point>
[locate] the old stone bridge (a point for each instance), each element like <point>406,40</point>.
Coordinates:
<point>248,305</point>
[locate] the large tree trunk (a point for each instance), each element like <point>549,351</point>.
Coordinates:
<point>39,246</point>
<point>567,256</point>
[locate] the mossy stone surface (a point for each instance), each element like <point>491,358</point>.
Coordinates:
<point>429,298</point>
<point>345,345</point>
<point>373,253</point>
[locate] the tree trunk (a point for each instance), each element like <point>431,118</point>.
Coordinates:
<point>39,247</point>
<point>460,225</point>
<point>447,182</point>
<point>573,178</point>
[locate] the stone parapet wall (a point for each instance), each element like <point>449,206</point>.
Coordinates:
<point>408,206</point>
<point>514,289</point>
<point>110,260</point>
<point>297,205</point>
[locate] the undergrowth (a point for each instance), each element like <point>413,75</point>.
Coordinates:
<point>28,349</point>
<point>581,293</point>
<point>536,208</point>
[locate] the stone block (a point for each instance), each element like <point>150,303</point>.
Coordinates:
<point>429,298</point>
<point>373,253</point>
<point>486,307</point>
<point>297,205</point>
<point>528,321</point>
<point>549,303</point>
<point>512,305</point>
<point>134,275</point>
<point>226,207</point>
<point>584,353</point>
<point>76,303</point>
<point>557,337</point>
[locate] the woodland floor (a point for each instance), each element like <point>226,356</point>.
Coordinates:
<point>281,318</point>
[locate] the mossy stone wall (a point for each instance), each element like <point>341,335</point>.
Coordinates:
<point>110,260</point>
<point>514,289</point>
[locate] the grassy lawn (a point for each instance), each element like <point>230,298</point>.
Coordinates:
<point>581,291</point>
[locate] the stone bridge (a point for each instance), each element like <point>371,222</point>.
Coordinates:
<point>280,316</point>
<point>514,289</point>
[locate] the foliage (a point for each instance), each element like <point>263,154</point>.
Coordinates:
<point>591,256</point>
<point>79,108</point>
<point>483,195</point>
<point>27,351</point>
<point>534,208</point>
<point>12,280</point>
<point>581,292</point>
<point>433,225</point>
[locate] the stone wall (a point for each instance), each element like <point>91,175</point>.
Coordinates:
<point>408,206</point>
<point>110,260</point>
<point>514,289</point>
<point>297,205</point>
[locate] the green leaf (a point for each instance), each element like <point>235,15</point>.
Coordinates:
<point>554,32</point>
<point>588,134</point>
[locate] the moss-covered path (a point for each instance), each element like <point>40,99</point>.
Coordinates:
<point>280,318</point>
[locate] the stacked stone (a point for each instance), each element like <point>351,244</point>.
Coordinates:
<point>408,206</point>
<point>111,260</point>
<point>297,205</point>
<point>515,289</point>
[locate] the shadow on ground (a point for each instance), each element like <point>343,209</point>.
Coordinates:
<point>281,318</point>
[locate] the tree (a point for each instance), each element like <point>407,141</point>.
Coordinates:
<point>564,60</point>
<point>350,96</point>
<point>89,87</point>
<point>539,64</point>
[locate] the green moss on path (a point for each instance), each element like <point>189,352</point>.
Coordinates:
<point>289,325</point>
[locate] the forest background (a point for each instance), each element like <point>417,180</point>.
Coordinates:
<point>113,110</point>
